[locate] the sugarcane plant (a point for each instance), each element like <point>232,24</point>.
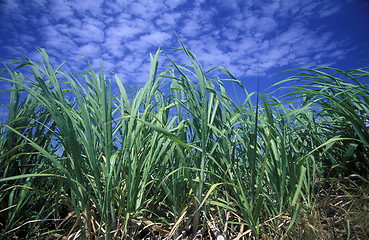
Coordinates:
<point>176,156</point>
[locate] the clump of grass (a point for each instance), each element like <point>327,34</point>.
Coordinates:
<point>339,100</point>
<point>176,158</point>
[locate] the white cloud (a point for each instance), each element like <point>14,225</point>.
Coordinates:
<point>26,39</point>
<point>245,36</point>
<point>16,51</point>
<point>168,21</point>
<point>270,10</point>
<point>121,33</point>
<point>127,28</point>
<point>90,33</point>
<point>12,6</point>
<point>114,47</point>
<point>61,9</point>
<point>146,9</point>
<point>291,35</point>
<point>174,3</point>
<point>329,9</point>
<point>53,39</point>
<point>191,28</point>
<point>230,4</point>
<point>93,7</point>
<point>89,50</point>
<point>133,69</point>
<point>155,38</point>
<point>244,45</point>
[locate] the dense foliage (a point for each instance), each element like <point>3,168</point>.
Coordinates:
<point>177,157</point>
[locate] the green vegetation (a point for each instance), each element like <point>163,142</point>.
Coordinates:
<point>178,158</point>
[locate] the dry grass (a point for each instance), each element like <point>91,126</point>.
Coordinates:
<point>341,211</point>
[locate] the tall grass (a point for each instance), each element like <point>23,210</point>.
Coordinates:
<point>175,157</point>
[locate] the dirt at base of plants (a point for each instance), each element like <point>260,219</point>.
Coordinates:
<point>341,211</point>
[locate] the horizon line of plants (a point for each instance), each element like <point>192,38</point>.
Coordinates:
<point>78,161</point>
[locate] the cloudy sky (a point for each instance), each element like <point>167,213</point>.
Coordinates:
<point>249,37</point>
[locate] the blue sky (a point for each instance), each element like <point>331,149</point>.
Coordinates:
<point>248,37</point>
